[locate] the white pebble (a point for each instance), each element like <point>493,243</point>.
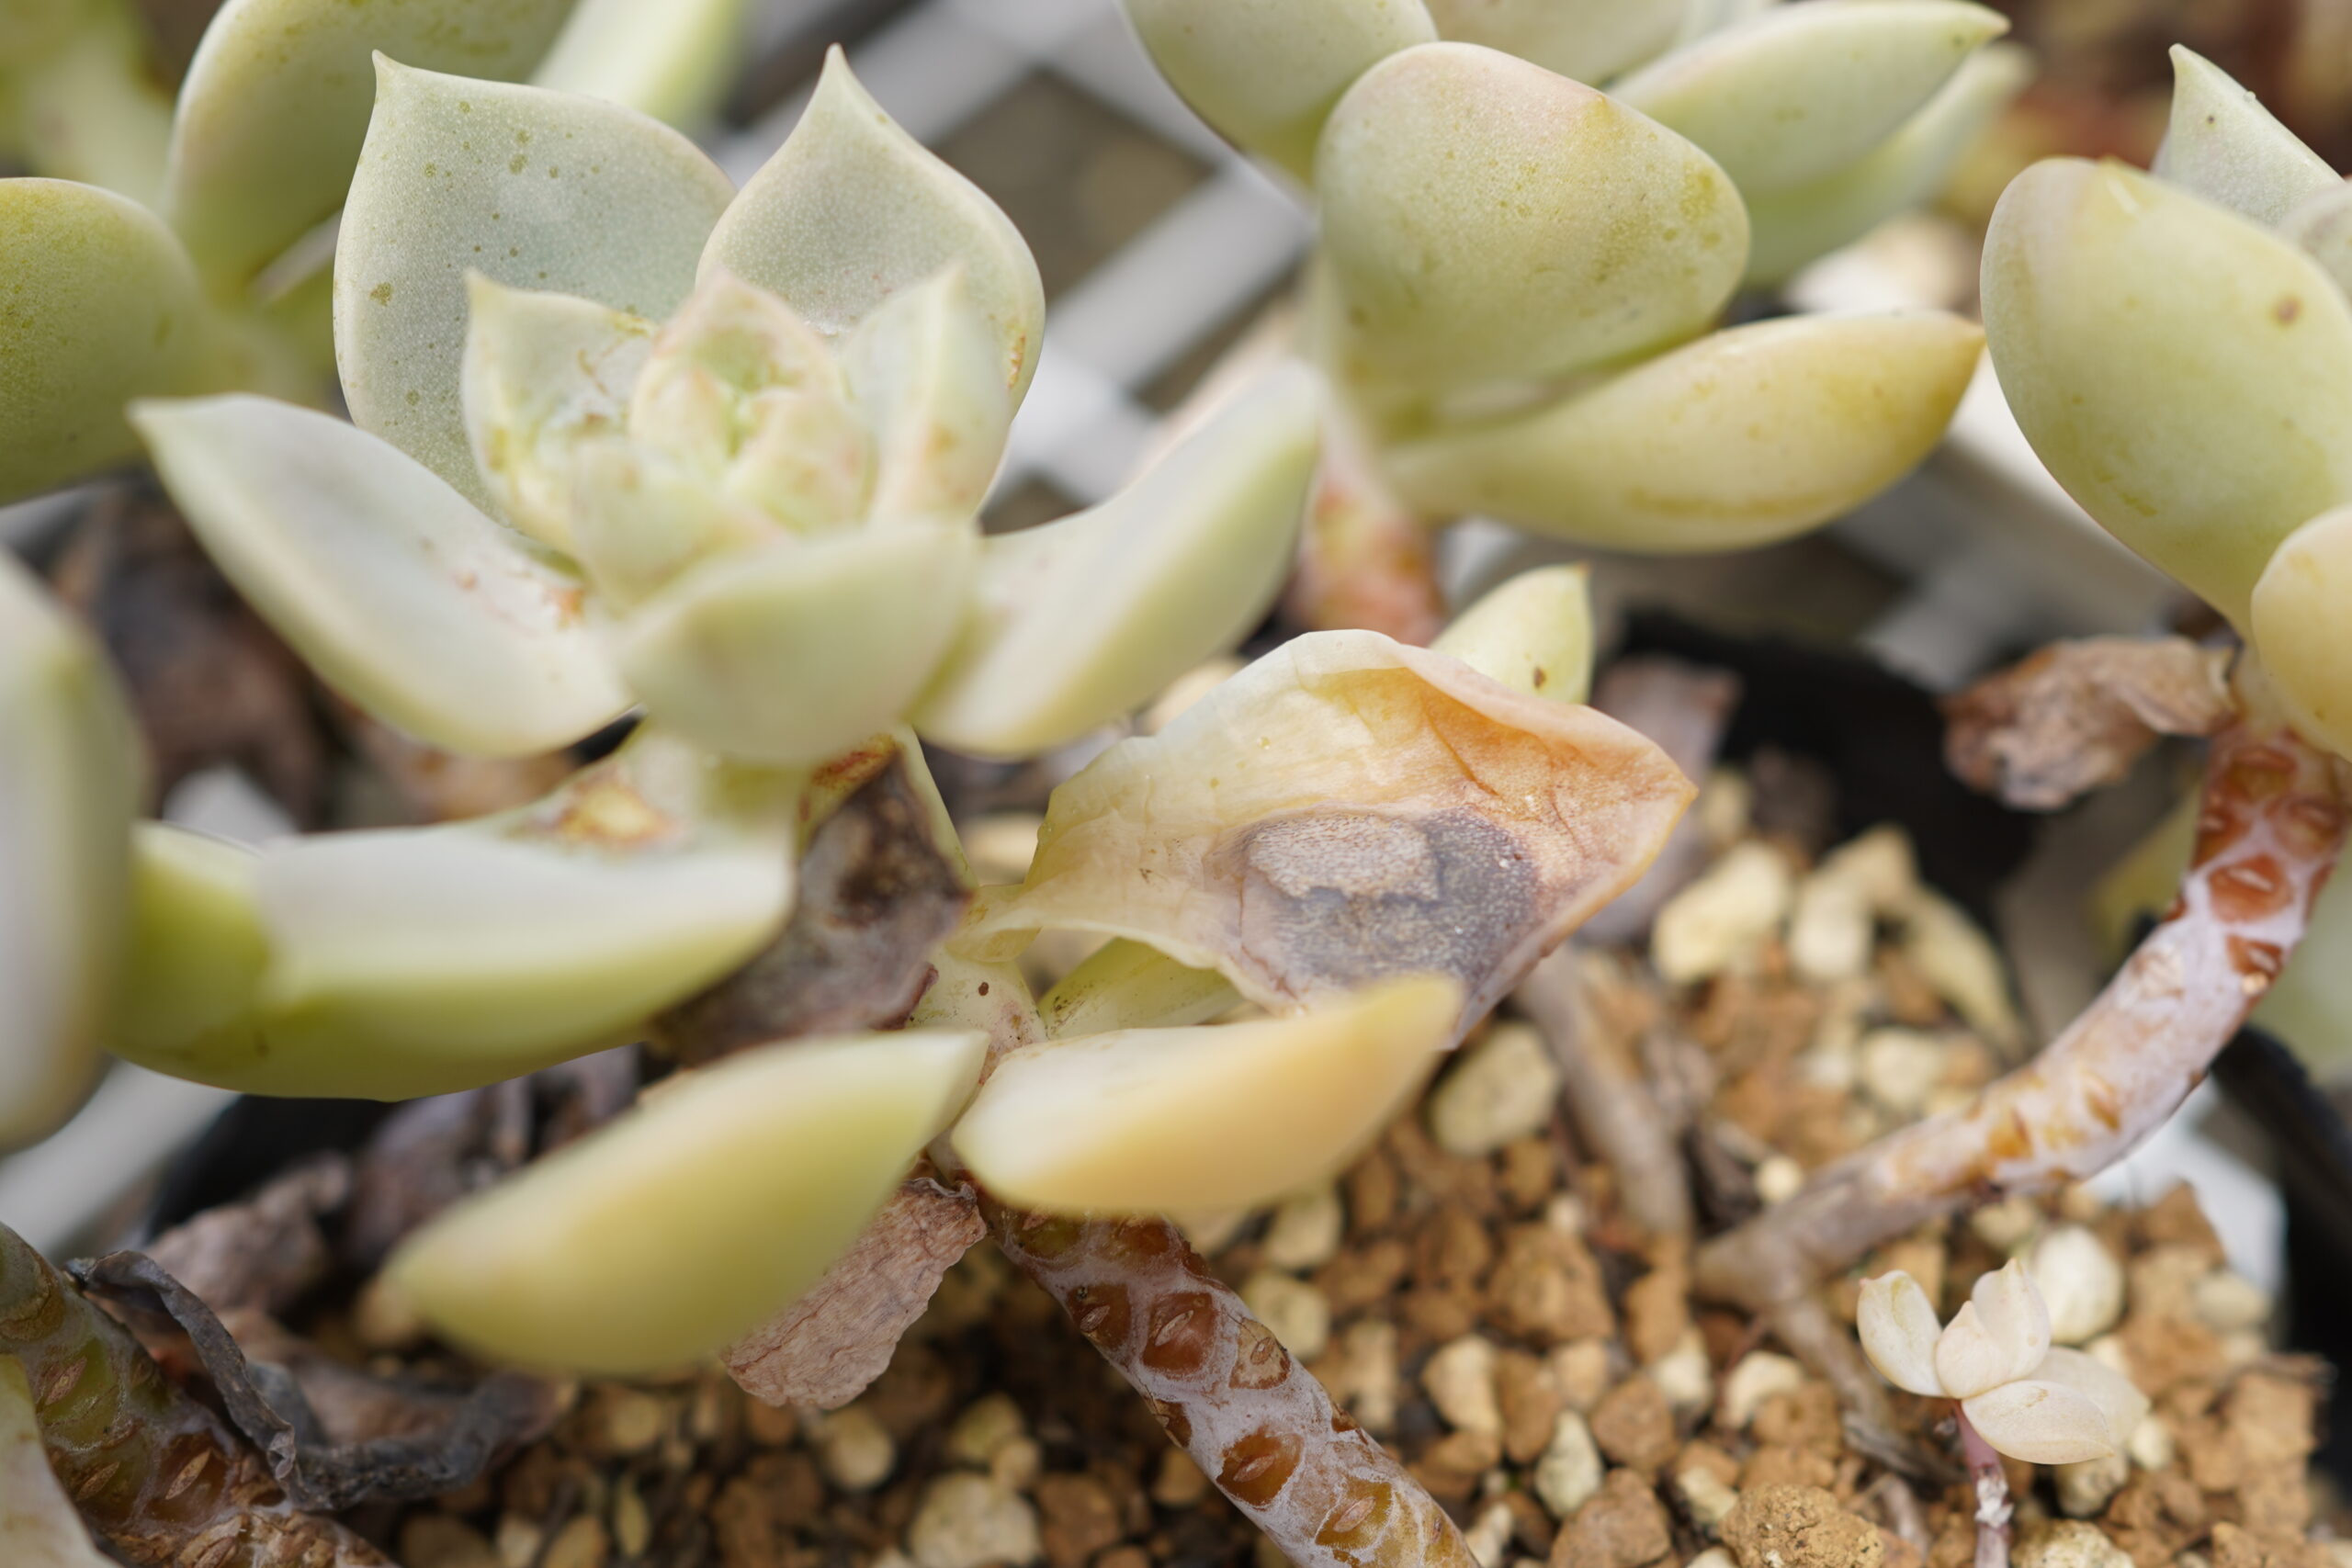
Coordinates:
<point>854,1451</point>
<point>985,1425</point>
<point>1490,1539</point>
<point>2244,1347</point>
<point>967,1521</point>
<point>1366,1378</point>
<point>1710,1501</point>
<point>1721,920</point>
<point>1714,1557</point>
<point>1830,934</point>
<point>1460,1377</point>
<point>1299,1314</point>
<point>2086,1488</point>
<point>1210,1231</point>
<point>2007,1226</point>
<point>2225,1302</point>
<point>1503,1088</point>
<point>1779,1179</point>
<point>2151,1445</point>
<point>1880,865</point>
<point>1569,1471</point>
<point>1305,1231</point>
<point>1725,802</point>
<point>2080,1280</point>
<point>2069,1543</point>
<point>1961,963</point>
<point>1685,1375</point>
<point>1584,1372</point>
<point>1899,1068</point>
<point>1754,1378</point>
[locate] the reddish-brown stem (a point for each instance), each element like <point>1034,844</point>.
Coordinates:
<point>1256,1422</point>
<point>1365,559</point>
<point>2269,831</point>
<point>1992,1486</point>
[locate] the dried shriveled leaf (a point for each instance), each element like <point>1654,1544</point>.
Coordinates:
<point>876,896</point>
<point>2224,145</point>
<point>98,305</point>
<point>827,1346</point>
<point>274,107</point>
<point>677,1229</point>
<point>390,584</point>
<point>1345,810</point>
<point>1485,219</point>
<point>1589,41</point>
<point>40,1527</point>
<point>2078,713</point>
<point>531,188</point>
<point>262,1252</point>
<point>795,232</point>
<point>400,1443</point>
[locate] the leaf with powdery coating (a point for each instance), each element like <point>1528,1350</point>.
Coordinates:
<point>97,306</point>
<point>1265,73</point>
<point>40,1527</point>
<point>1222,1116</point>
<point>2186,375</point>
<point>1745,438</point>
<point>1346,810</point>
<point>2221,144</point>
<point>851,210</point>
<point>1589,41</point>
<point>2322,225</point>
<point>679,1228</point>
<point>389,584</point>
<point>1485,219</point>
<point>531,188</point>
<point>1798,92</point>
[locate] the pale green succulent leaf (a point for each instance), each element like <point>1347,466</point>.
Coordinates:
<point>671,60</point>
<point>640,517</point>
<point>1129,985</point>
<point>925,377</point>
<point>421,961</point>
<point>1079,622</point>
<point>2298,628</point>
<point>1264,73</point>
<point>2221,144</point>
<point>193,966</point>
<point>40,1527</point>
<point>275,103</point>
<point>389,584</point>
<point>31,28</point>
<point>697,1217</point>
<point>1801,91</point>
<point>1792,227</point>
<point>73,776</point>
<point>2322,225</point>
<point>1532,633</point>
<point>1589,41</point>
<point>2186,375</point>
<point>94,111</point>
<point>801,649</point>
<point>543,372</point>
<point>531,188</point>
<point>1485,219</point>
<point>97,306</point>
<point>1744,437</point>
<point>851,210</point>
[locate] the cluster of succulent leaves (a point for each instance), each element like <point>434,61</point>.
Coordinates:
<point>1519,274</point>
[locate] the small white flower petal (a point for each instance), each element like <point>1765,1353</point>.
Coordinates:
<point>2015,1316</point>
<point>1898,1326</point>
<point>2113,1393</point>
<point>2042,1423</point>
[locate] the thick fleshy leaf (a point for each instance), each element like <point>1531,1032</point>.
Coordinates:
<point>1147,1120</point>
<point>2014,1315</point>
<point>40,1527</point>
<point>1265,73</point>
<point>2322,225</point>
<point>30,29</point>
<point>2224,145</point>
<point>1969,1357</point>
<point>2186,376</point>
<point>640,517</point>
<point>388,582</point>
<point>679,1228</point>
<point>2117,1397</point>
<point>274,107</point>
<point>2041,1422</point>
<point>1798,92</point>
<point>531,188</point>
<point>2298,628</point>
<point>793,233</point>
<point>672,62</point>
<point>1533,634</point>
<point>196,950</point>
<point>1590,40</point>
<point>1347,810</point>
<point>1898,1329</point>
<point>419,961</point>
<point>72,778</point>
<point>1790,227</point>
<point>1081,621</point>
<point>97,306</point>
<point>1744,437</point>
<point>805,647</point>
<point>1125,985</point>
<point>924,372</point>
<point>1485,219</point>
<point>541,373</point>
<point>94,110</point>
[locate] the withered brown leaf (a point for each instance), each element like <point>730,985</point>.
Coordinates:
<point>2076,715</point>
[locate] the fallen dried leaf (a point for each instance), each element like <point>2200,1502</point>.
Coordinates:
<point>2076,715</point>
<point>262,1252</point>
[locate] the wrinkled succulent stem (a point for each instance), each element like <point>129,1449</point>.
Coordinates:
<point>1992,1487</point>
<point>157,1475</point>
<point>2269,829</point>
<point>1257,1423</point>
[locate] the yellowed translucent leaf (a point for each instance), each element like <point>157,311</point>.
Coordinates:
<point>197,950</point>
<point>1533,634</point>
<point>2298,628</point>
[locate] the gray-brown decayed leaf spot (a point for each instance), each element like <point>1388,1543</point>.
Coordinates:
<point>264,1251</point>
<point>1346,810</point>
<point>1685,708</point>
<point>2077,715</point>
<point>827,1346</point>
<point>876,896</point>
<point>365,1439</point>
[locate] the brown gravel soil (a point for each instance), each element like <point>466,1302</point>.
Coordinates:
<point>1473,1291</point>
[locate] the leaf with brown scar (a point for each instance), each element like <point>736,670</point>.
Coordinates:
<point>1347,810</point>
<point>827,1346</point>
<point>2076,715</point>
